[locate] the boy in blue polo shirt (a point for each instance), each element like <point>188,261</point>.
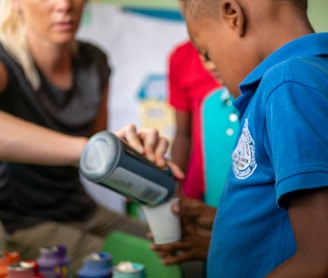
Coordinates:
<point>272,220</point>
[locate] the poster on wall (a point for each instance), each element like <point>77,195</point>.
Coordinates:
<point>137,42</point>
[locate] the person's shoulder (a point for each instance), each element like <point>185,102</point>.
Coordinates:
<point>90,53</point>
<point>185,49</point>
<point>184,46</point>
<point>88,48</point>
<point>184,52</point>
<point>304,70</point>
<point>296,74</point>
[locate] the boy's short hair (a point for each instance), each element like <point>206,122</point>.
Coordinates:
<point>209,8</point>
<point>203,8</point>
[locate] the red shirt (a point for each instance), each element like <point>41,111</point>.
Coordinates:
<point>189,83</point>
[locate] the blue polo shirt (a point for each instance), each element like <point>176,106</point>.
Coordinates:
<point>282,147</point>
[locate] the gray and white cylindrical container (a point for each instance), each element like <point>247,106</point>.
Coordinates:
<point>109,162</point>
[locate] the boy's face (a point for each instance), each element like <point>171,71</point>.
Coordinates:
<point>215,38</point>
<point>211,68</point>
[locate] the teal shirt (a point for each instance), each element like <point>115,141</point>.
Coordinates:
<point>220,126</point>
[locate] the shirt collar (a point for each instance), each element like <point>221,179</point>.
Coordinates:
<point>309,45</point>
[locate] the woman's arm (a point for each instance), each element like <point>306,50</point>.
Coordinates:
<point>25,142</point>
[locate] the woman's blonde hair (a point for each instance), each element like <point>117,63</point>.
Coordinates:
<point>13,39</point>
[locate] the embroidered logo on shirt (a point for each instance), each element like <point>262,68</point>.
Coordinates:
<point>243,156</point>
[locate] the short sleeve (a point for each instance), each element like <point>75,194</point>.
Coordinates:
<point>297,117</point>
<point>94,59</point>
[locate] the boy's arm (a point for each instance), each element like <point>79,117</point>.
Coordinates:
<point>308,213</point>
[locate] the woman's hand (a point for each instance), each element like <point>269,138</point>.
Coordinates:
<point>148,142</point>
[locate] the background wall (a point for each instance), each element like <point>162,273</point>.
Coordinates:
<point>162,4</point>
<point>138,36</point>
<point>317,9</point>
<point>318,14</point>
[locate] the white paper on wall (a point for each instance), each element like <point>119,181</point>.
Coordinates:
<point>138,48</point>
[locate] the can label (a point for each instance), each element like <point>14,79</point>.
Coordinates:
<point>135,186</point>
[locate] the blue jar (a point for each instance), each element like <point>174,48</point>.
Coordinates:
<point>96,265</point>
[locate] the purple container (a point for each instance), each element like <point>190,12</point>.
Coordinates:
<point>97,265</point>
<point>63,269</point>
<point>54,263</point>
<point>47,262</point>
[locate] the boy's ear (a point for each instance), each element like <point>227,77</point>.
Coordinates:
<point>233,12</point>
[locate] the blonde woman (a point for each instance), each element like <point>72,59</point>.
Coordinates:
<point>53,96</point>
